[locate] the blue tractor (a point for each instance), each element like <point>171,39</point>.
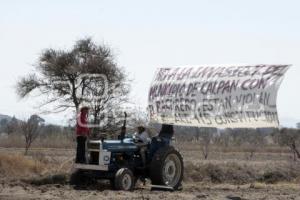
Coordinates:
<point>123,163</point>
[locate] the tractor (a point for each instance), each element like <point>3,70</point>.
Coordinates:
<point>121,161</point>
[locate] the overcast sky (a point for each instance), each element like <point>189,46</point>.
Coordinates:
<point>150,34</point>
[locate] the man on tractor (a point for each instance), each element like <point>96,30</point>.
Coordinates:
<point>142,139</point>
<point>82,133</point>
<point>141,135</point>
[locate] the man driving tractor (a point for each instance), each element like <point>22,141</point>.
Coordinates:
<point>142,139</point>
<point>141,135</point>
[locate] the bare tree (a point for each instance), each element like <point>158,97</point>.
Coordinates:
<point>252,140</point>
<point>30,130</point>
<point>291,138</point>
<point>87,73</point>
<point>11,126</point>
<point>205,136</point>
<point>224,138</point>
<point>61,75</point>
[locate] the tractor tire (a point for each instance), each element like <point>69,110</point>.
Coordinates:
<point>124,180</point>
<point>167,168</point>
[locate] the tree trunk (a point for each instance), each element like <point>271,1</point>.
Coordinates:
<point>205,151</point>
<point>295,150</point>
<point>26,149</point>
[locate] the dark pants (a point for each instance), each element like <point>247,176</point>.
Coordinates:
<point>80,154</point>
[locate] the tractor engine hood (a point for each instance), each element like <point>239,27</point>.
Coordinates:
<point>127,145</point>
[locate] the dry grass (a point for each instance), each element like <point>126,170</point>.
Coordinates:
<point>16,165</point>
<point>52,141</point>
<point>270,164</point>
<point>241,173</point>
<point>196,146</point>
<point>277,186</point>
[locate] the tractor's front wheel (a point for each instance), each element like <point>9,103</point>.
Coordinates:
<point>124,179</point>
<point>167,168</point>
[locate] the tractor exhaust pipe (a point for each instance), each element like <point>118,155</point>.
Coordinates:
<point>123,128</point>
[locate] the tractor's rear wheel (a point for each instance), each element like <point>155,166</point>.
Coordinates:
<point>124,179</point>
<point>167,168</point>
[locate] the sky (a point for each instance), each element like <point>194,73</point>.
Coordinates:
<point>146,35</point>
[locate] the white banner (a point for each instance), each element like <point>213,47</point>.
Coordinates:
<point>216,96</point>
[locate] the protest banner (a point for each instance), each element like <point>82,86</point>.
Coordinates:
<point>216,96</point>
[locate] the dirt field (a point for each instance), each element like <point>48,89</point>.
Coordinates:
<point>21,191</point>
<point>44,174</point>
